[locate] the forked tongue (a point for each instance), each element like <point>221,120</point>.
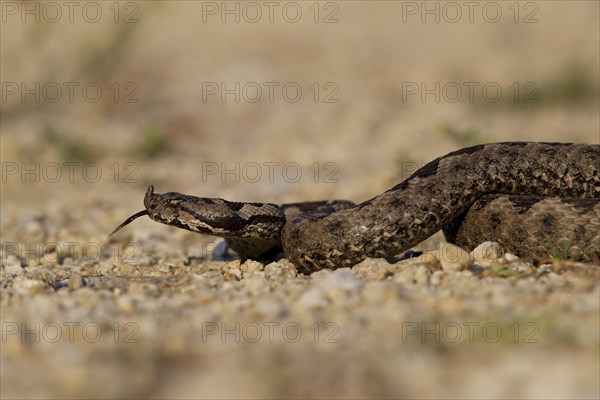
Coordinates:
<point>128,220</point>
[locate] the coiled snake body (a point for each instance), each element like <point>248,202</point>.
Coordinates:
<point>530,197</point>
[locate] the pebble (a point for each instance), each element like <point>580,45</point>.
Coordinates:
<point>251,266</point>
<point>453,258</point>
<point>377,292</point>
<point>338,280</point>
<point>417,274</point>
<point>212,279</point>
<point>339,286</point>
<point>274,270</point>
<point>232,274</point>
<point>372,269</point>
<point>231,271</point>
<point>143,261</point>
<point>311,299</point>
<point>76,282</point>
<point>126,304</point>
<point>436,278</point>
<point>12,266</point>
<point>30,286</point>
<point>510,257</point>
<point>431,257</point>
<point>487,253</point>
<point>357,306</point>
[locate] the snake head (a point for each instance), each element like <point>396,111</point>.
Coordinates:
<point>251,229</point>
<point>158,206</point>
<point>212,216</point>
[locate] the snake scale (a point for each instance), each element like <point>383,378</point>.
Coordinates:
<point>531,197</point>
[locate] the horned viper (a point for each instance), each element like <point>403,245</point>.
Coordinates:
<point>529,196</point>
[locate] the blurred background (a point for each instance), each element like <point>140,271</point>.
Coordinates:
<point>265,101</point>
<point>370,87</point>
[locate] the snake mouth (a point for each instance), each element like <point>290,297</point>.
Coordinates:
<point>129,220</point>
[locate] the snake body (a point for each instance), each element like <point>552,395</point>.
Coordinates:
<point>530,197</point>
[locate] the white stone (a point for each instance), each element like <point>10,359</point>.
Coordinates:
<point>251,266</point>
<point>510,257</point>
<point>436,278</point>
<point>453,258</point>
<point>12,266</point>
<point>311,299</point>
<point>339,280</point>
<point>487,253</point>
<point>431,257</point>
<point>30,286</point>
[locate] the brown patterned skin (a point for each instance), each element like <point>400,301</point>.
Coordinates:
<point>531,226</point>
<point>437,196</point>
<point>438,193</point>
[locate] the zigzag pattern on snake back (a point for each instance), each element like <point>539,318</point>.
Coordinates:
<point>528,196</point>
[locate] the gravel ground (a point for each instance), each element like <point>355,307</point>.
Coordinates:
<point>157,312</point>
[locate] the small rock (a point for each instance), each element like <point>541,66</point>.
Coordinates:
<point>12,266</point>
<point>339,280</point>
<point>487,253</point>
<point>280,271</point>
<point>436,278</point>
<point>211,278</point>
<point>372,269</point>
<point>431,257</point>
<point>76,282</point>
<point>30,286</point>
<point>312,299</point>
<point>265,308</point>
<point>126,304</point>
<point>453,258</point>
<point>232,264</point>
<point>254,283</point>
<point>251,266</point>
<point>377,292</point>
<point>136,288</point>
<point>289,269</point>
<point>231,271</point>
<point>232,274</point>
<point>510,257</point>
<point>273,270</point>
<point>421,276</point>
